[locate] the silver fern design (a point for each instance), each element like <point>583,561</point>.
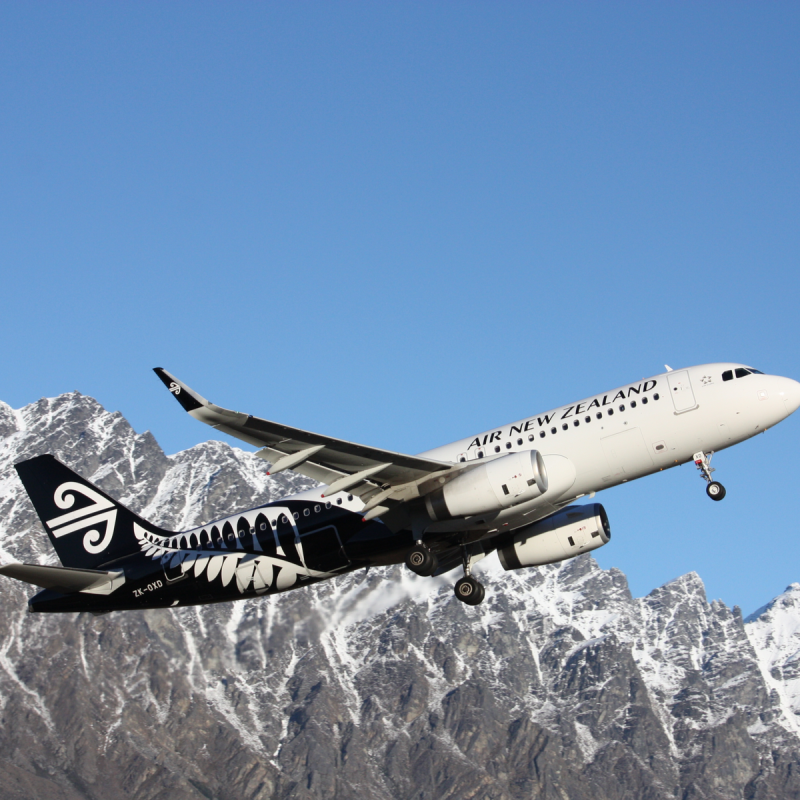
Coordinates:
<point>216,551</point>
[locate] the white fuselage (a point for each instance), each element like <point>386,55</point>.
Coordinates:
<point>626,433</point>
<point>634,430</point>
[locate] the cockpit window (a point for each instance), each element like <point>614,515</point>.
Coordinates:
<point>755,371</point>
<point>727,375</point>
<point>741,372</point>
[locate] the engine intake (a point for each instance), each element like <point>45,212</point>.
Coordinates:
<point>574,530</point>
<point>500,483</point>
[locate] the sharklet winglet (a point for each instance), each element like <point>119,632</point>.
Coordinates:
<point>187,397</point>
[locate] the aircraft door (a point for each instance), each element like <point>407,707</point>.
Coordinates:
<point>173,571</point>
<point>171,563</point>
<point>627,454</point>
<point>322,551</point>
<point>680,388</point>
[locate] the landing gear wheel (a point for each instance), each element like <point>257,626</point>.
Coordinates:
<point>715,490</point>
<point>421,560</point>
<point>469,591</point>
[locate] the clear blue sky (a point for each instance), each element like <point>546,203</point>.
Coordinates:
<point>399,223</point>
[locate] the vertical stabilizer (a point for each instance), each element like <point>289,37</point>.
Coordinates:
<point>86,527</point>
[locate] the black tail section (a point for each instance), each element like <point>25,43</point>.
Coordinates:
<point>86,527</point>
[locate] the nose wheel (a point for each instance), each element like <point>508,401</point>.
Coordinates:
<point>715,490</point>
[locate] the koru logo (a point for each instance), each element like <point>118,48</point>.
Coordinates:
<point>101,510</point>
<point>174,388</point>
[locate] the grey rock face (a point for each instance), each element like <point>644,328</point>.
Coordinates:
<point>561,685</point>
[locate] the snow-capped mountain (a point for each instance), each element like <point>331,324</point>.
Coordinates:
<point>380,685</point>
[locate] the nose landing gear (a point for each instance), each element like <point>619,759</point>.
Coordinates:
<point>715,490</point>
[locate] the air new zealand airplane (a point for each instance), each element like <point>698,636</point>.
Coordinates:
<point>512,490</point>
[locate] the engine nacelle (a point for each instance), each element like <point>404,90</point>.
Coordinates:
<point>491,486</point>
<point>574,530</point>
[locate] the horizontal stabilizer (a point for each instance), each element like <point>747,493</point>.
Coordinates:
<point>65,579</point>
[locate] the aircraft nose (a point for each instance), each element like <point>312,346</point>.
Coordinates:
<point>790,391</point>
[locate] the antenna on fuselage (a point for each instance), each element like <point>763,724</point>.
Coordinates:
<point>669,368</point>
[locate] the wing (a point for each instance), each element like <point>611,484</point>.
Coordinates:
<point>373,474</point>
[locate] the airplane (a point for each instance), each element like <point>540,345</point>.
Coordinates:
<point>512,490</point>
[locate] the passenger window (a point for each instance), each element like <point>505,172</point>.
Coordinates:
<point>655,396</point>
<point>576,423</point>
<point>497,448</point>
<point>508,445</point>
<point>740,373</point>
<point>622,407</point>
<point>296,516</point>
<point>519,442</point>
<point>587,419</point>
<point>306,512</point>
<point>339,501</point>
<point>564,426</point>
<point>644,401</point>
<point>633,404</point>
<point>599,415</point>
<point>316,509</point>
<point>727,375</point>
<point>328,504</point>
<point>530,438</point>
<point>610,412</point>
<point>263,526</point>
<point>480,453</point>
<point>542,434</point>
<point>553,430</point>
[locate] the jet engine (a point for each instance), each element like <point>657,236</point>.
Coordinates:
<point>502,482</point>
<point>574,530</point>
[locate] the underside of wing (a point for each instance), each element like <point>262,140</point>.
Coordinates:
<point>369,472</point>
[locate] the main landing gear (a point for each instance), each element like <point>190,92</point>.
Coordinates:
<point>421,560</point>
<point>715,490</point>
<point>468,590</point>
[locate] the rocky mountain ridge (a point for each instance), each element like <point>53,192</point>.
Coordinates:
<point>560,684</point>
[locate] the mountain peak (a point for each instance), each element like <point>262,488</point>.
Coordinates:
<point>377,683</point>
